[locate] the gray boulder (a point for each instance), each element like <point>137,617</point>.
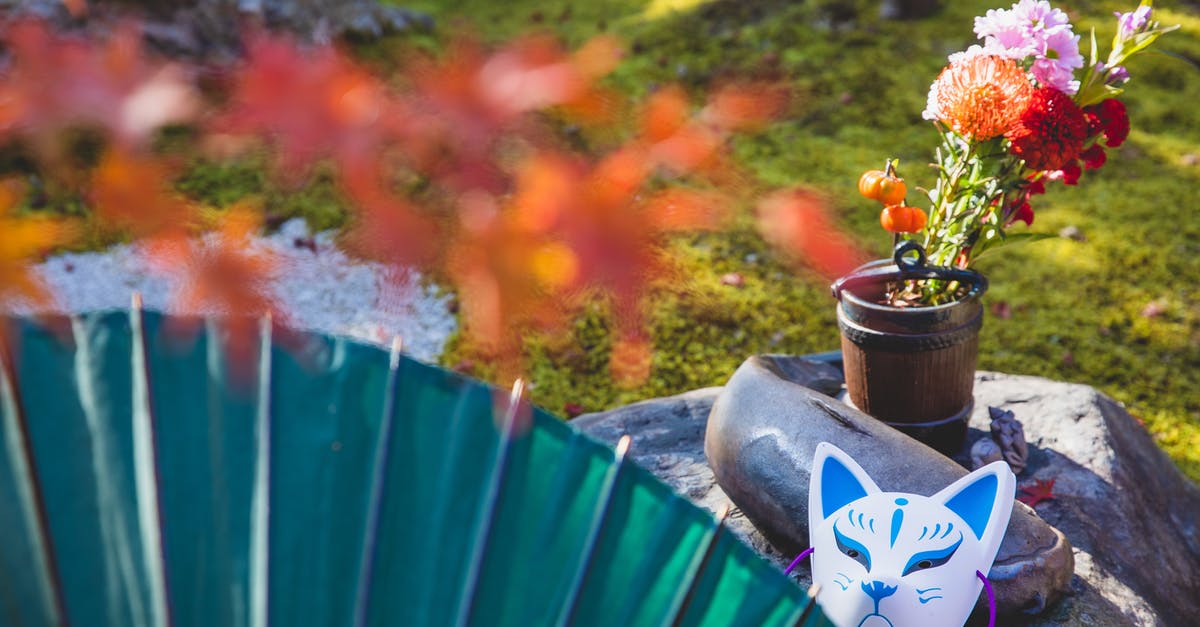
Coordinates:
<point>1131,569</point>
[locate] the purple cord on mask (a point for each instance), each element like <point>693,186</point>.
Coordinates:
<point>796,562</point>
<point>987,585</point>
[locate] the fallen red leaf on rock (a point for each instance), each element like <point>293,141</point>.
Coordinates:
<point>1041,490</point>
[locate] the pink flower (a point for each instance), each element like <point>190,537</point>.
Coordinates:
<point>1032,28</point>
<point>1004,29</point>
<point>1056,63</point>
<point>1130,24</point>
<point>1021,26</point>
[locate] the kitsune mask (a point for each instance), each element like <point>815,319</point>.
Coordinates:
<point>889,559</point>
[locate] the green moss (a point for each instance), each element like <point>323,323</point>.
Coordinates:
<point>222,184</point>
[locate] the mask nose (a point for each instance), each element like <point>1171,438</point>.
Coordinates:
<point>878,590</point>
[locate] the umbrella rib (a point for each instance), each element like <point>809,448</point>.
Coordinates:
<point>378,476</point>
<point>699,563</point>
<point>810,603</point>
<point>261,504</point>
<point>19,450</point>
<point>491,500</point>
<point>146,478</point>
<point>594,528</point>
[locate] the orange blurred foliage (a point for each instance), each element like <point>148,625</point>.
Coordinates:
<point>798,222</point>
<point>23,240</point>
<point>133,193</point>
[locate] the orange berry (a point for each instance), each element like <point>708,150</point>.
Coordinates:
<point>902,219</point>
<point>868,183</point>
<point>892,190</point>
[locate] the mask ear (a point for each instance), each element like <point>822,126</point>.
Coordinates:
<point>836,481</point>
<point>984,500</point>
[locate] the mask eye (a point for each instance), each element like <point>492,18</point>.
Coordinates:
<point>931,559</point>
<point>852,549</point>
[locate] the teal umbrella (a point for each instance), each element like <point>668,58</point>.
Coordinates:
<point>143,484</point>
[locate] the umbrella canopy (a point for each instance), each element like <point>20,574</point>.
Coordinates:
<point>330,483</point>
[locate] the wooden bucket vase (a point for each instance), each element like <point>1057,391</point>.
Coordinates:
<point>911,367</point>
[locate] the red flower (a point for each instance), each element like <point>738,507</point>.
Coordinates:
<point>1071,172</point>
<point>1023,212</point>
<point>1110,118</point>
<point>1050,132</point>
<point>1093,157</point>
<point>1037,186</point>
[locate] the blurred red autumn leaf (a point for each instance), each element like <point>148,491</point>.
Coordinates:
<point>385,226</point>
<point>463,106</point>
<point>798,222</point>
<point>222,274</point>
<point>55,82</point>
<point>310,103</point>
<point>22,241</point>
<point>632,356</point>
<point>682,143</point>
<point>510,278</point>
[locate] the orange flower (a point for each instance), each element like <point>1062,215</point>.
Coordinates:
<point>979,97</point>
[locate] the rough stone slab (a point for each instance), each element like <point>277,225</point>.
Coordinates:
<point>1131,516</point>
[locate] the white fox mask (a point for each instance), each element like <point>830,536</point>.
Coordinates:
<point>889,559</point>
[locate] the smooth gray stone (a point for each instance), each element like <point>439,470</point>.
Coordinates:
<point>761,437</point>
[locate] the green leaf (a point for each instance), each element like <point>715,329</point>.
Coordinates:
<point>1094,55</point>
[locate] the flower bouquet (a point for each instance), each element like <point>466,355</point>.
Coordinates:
<point>1021,110</point>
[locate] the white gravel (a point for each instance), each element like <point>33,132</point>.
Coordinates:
<point>325,291</point>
